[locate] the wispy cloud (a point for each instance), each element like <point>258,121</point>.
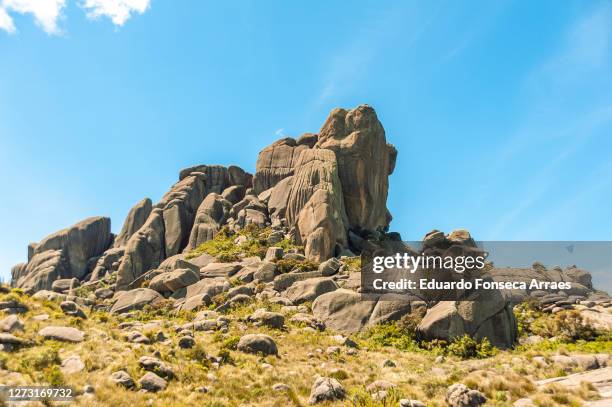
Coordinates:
<point>581,62</point>
<point>48,13</point>
<point>6,22</point>
<point>119,11</point>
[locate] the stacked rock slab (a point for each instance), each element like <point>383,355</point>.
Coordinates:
<point>64,254</point>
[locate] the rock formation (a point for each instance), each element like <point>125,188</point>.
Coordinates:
<point>323,193</point>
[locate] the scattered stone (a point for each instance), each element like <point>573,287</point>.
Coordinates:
<point>137,337</point>
<point>326,389</point>
<point>72,364</point>
<point>88,389</point>
<point>202,389</point>
<point>411,403</point>
<point>333,350</point>
<point>72,309</point>
<point>11,323</point>
<point>257,343</point>
<point>274,253</point>
<point>266,318</point>
<point>104,293</point>
<point>13,307</point>
<point>122,378</point>
<point>152,382</point>
<point>329,267</point>
<point>186,342</point>
<point>155,365</point>
<point>135,299</point>
<point>280,387</point>
<point>345,341</point>
<point>459,395</point>
<point>62,333</point>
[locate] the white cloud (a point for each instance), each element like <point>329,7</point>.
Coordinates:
<point>6,22</point>
<point>46,13</point>
<point>119,11</point>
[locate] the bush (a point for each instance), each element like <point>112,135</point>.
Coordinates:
<point>391,335</point>
<point>230,343</point>
<point>466,347</point>
<point>43,358</point>
<point>287,265</point>
<point>225,250</point>
<point>567,326</point>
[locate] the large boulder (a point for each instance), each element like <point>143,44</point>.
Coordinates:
<point>135,299</point>
<point>212,212</point>
<point>276,162</point>
<point>216,177</point>
<point>88,238</point>
<point>179,207</point>
<point>315,205</point>
<point>137,217</point>
<point>144,251</point>
<point>309,290</point>
<point>279,195</point>
<point>41,271</point>
<point>484,314</point>
<point>343,310</point>
<point>64,254</point>
<point>365,161</point>
<point>174,280</point>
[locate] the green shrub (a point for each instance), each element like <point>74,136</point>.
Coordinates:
<point>53,375</point>
<point>391,335</point>
<point>230,343</point>
<point>44,357</point>
<point>287,265</point>
<point>567,326</point>
<point>466,347</point>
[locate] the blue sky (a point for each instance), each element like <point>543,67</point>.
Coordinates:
<point>501,111</point>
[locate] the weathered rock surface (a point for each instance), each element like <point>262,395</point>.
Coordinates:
<point>212,212</point>
<point>276,162</point>
<point>257,343</point>
<point>326,389</point>
<point>144,250</point>
<point>135,219</point>
<point>135,299</point>
<point>487,314</point>
<point>316,206</point>
<point>62,333</point>
<point>309,290</point>
<point>365,161</point>
<point>459,395</point>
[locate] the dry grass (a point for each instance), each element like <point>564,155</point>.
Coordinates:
<point>248,380</point>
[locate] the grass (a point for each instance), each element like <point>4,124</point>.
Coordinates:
<point>244,379</point>
<point>224,248</point>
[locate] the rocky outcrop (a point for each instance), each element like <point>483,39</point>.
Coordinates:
<point>276,162</point>
<point>179,207</point>
<point>212,212</point>
<point>137,217</point>
<point>486,314</point>
<point>315,204</point>
<point>41,271</point>
<point>64,254</point>
<point>145,250</point>
<point>365,161</point>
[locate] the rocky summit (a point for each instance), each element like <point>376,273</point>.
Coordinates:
<point>245,289</point>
